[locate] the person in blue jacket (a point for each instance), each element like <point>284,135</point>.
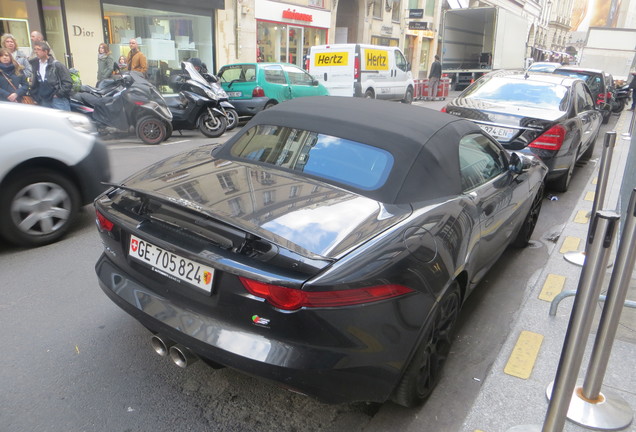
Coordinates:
<point>13,83</point>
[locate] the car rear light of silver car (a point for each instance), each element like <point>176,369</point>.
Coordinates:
<point>258,92</point>
<point>291,299</point>
<point>552,139</point>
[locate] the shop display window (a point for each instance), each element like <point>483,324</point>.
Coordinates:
<point>286,43</point>
<point>165,38</point>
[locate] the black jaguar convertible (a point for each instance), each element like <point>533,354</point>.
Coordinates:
<point>328,246</point>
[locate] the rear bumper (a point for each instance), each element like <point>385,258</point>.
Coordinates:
<point>330,374</point>
<point>249,107</point>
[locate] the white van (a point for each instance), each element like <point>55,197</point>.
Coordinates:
<point>359,70</point>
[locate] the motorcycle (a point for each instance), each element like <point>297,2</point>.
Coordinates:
<point>197,105</point>
<point>230,111</point>
<point>621,97</point>
<point>126,104</point>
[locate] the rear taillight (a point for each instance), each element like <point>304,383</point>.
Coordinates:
<point>258,92</point>
<point>102,223</point>
<point>443,109</point>
<point>356,68</point>
<point>292,299</point>
<point>552,139</point>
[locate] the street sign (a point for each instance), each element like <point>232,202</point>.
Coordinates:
<point>416,13</point>
<point>418,25</point>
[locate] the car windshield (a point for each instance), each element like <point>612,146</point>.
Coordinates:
<point>517,92</point>
<point>331,158</point>
<point>593,81</point>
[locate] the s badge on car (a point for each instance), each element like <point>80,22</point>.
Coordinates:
<point>260,320</point>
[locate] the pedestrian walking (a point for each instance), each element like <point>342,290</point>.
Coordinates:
<point>13,83</point>
<point>52,83</point>
<point>36,36</point>
<point>106,66</point>
<point>136,60</point>
<point>8,41</point>
<point>632,85</point>
<point>434,77</point>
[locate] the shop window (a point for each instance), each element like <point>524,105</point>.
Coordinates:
<point>165,38</point>
<point>19,28</point>
<point>277,42</point>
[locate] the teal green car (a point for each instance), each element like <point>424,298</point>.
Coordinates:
<point>253,87</point>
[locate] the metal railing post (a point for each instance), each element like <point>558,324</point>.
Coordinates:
<point>576,257</point>
<point>599,244</point>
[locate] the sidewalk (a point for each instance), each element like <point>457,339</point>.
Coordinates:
<point>514,392</point>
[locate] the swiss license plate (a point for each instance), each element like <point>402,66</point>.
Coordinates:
<point>235,94</point>
<point>498,132</point>
<point>170,265</point>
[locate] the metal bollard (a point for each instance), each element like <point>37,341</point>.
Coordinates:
<point>608,411</point>
<point>599,244</point>
<point>576,257</point>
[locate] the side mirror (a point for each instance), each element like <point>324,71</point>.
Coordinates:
<point>518,164</point>
<point>315,82</point>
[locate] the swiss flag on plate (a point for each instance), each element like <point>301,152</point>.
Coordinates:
<point>134,245</point>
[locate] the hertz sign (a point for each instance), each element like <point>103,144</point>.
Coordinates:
<point>332,59</point>
<point>376,59</point>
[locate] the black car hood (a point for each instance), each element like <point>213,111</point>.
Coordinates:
<point>308,217</point>
<point>501,113</point>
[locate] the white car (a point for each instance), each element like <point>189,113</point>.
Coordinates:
<point>51,165</point>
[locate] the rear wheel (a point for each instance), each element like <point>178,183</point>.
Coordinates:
<point>607,112</point>
<point>618,105</point>
<point>526,230</point>
<point>232,118</point>
<point>408,96</point>
<point>37,207</point>
<point>212,126</point>
<point>424,371</point>
<point>269,104</point>
<point>369,94</point>
<point>151,130</point>
<point>563,183</point>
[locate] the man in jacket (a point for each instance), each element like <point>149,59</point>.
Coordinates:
<point>434,77</point>
<point>136,59</point>
<point>51,85</point>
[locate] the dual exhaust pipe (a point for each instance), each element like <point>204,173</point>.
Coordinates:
<point>180,355</point>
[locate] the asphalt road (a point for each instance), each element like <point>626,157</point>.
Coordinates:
<point>73,361</point>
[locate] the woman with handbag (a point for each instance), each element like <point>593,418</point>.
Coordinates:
<point>106,66</point>
<point>13,83</point>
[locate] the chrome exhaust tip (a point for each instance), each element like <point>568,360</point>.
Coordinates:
<point>161,344</point>
<point>181,356</point>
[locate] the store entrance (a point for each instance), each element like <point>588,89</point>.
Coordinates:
<point>295,45</point>
<point>278,42</point>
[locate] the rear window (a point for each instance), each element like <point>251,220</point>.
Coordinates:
<point>537,94</point>
<point>237,73</point>
<point>330,158</point>
<point>593,81</point>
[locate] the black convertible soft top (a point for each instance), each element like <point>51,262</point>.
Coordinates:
<point>424,142</point>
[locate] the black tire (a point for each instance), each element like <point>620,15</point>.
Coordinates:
<point>562,183</point>
<point>232,119</point>
<point>619,106</point>
<point>37,207</point>
<point>408,96</point>
<point>607,112</point>
<point>424,370</point>
<point>212,126</point>
<point>530,222</point>
<point>369,94</point>
<point>169,130</point>
<point>151,130</point>
<point>587,155</point>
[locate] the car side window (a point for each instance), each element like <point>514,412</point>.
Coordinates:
<point>298,76</point>
<point>584,101</point>
<point>480,160</point>
<point>275,75</point>
<point>400,61</point>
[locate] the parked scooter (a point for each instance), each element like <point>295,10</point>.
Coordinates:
<point>126,104</point>
<point>621,97</point>
<point>215,84</point>
<point>196,105</point>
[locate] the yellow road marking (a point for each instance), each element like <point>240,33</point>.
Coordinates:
<point>581,217</point>
<point>524,355</point>
<point>552,286</point>
<point>594,180</point>
<point>589,196</point>
<point>570,244</point>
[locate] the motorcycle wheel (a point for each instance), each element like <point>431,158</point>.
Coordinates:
<point>151,130</point>
<point>212,126</point>
<point>232,119</point>
<point>618,105</point>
